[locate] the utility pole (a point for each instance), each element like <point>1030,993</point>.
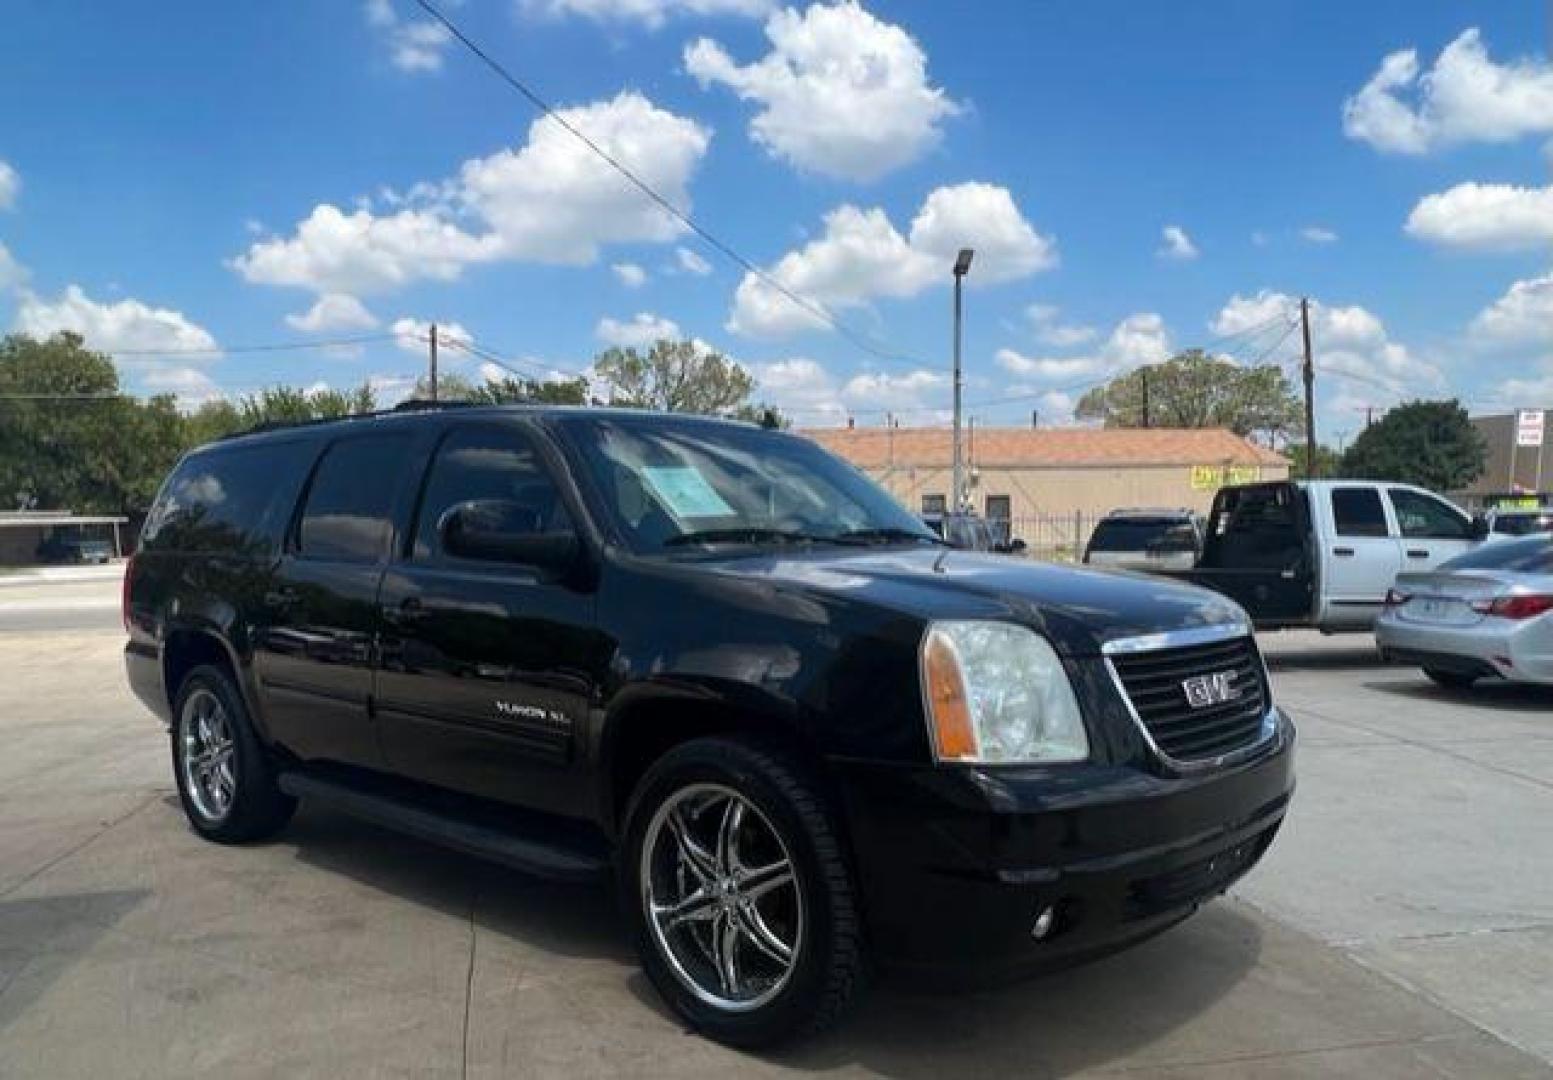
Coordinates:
<point>433,379</point>
<point>1309,372</point>
<point>962,266</point>
<point>1143,373</point>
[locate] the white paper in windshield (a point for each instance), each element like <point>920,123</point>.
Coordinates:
<point>685,491</point>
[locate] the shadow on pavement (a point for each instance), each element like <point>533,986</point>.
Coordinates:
<point>1051,1025</point>
<point>1347,658</point>
<point>42,937</point>
<point>1488,694</point>
<point>567,920</point>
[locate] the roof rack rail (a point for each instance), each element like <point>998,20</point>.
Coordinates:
<point>408,405</point>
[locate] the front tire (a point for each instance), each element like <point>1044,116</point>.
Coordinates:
<point>1451,680</point>
<point>741,898</point>
<point>226,781</point>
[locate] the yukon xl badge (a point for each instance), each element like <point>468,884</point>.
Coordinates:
<point>1215,689</point>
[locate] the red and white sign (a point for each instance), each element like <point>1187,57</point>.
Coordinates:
<point>1529,425</point>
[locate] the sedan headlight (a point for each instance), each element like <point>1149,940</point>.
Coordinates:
<point>996,693</point>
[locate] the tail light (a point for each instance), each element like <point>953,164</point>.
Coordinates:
<point>1395,598</point>
<point>1515,607</point>
<point>124,589</point>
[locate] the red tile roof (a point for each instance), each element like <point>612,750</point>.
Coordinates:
<point>1048,447</point>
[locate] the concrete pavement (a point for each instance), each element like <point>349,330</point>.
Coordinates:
<point>32,604</point>
<point>1397,928</point>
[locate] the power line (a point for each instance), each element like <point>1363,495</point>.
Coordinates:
<point>279,346</point>
<point>812,307</point>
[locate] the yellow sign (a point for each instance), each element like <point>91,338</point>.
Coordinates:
<point>1213,477</point>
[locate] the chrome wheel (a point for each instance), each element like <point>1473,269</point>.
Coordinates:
<point>721,896</point>
<point>209,770</point>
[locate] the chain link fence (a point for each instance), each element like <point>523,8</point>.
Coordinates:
<point>1052,537</point>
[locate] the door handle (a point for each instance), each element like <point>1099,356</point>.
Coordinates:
<point>1417,553</point>
<point>280,598</point>
<point>1343,553</point>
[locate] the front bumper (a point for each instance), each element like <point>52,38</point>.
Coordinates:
<point>957,863</point>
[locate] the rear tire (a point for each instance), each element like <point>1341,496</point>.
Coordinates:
<point>765,941</point>
<point>226,781</point>
<point>1451,680</point>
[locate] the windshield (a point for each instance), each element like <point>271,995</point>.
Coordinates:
<point>1531,556</point>
<point>667,484</point>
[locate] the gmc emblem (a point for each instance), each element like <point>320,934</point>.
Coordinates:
<point>1215,689</point>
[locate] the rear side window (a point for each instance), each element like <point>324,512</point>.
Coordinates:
<point>488,463</point>
<point>231,501</point>
<point>1144,534</point>
<point>349,511</point>
<point>1523,524</point>
<point>1358,512</point>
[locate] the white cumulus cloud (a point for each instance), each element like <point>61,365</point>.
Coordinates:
<point>841,93</point>
<point>114,326</point>
<point>1317,234</point>
<point>638,332</point>
<point>692,263</point>
<point>1046,321</point>
<point>333,311</point>
<point>10,185</point>
<point>12,273</point>
<point>1347,341</point>
<point>551,201</point>
<point>1174,244</point>
<point>1485,217</point>
<point>1523,315</point>
<point>1465,97</point>
<point>414,336</point>
<point>1140,338</point>
<point>862,256</point>
<point>650,13</point>
<point>630,275</point>
<point>414,45</point>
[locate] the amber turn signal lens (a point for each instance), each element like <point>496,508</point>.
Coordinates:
<point>949,711</point>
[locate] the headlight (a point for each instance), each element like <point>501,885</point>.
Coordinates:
<point>996,693</point>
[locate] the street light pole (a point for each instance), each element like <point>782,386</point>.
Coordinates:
<point>962,266</point>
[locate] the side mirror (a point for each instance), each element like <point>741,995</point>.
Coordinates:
<point>1480,527</point>
<point>500,530</point>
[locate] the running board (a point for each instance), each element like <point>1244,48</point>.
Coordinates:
<point>537,857</point>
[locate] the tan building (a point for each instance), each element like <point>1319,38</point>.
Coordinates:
<point>1507,467</point>
<point>1052,484</point>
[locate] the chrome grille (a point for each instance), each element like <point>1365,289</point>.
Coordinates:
<point>1156,682</point>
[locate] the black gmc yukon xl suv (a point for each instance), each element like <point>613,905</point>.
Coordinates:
<point>803,736</point>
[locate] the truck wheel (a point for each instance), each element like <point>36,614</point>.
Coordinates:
<point>226,782</point>
<point>1451,680</point>
<point>741,899</point>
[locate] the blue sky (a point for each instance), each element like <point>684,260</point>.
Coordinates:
<point>1137,178</point>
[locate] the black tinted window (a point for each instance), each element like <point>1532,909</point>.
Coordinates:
<point>488,463</point>
<point>1426,518</point>
<point>349,512</point>
<point>1531,556</point>
<point>1523,524</point>
<point>1358,512</point>
<point>232,501</point>
<point>1143,534</point>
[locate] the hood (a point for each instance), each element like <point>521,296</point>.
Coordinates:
<point>1077,609</point>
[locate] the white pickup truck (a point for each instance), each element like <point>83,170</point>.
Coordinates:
<point>1322,553</point>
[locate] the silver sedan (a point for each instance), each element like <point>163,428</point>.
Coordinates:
<point>1487,614</point>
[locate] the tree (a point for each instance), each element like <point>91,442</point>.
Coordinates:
<point>1428,443</point>
<point>1329,462</point>
<point>274,405</point>
<point>79,444</point>
<point>1194,390</point>
<point>509,390</point>
<point>675,376</point>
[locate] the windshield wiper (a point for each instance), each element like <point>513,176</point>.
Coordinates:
<point>886,535</point>
<point>743,534</point>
